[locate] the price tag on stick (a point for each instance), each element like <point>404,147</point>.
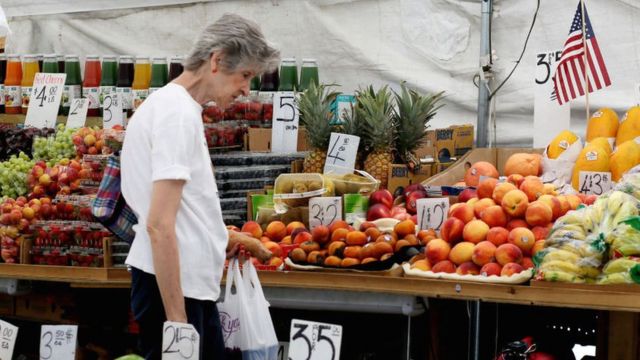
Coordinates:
<point>341,154</point>
<point>77,113</point>
<point>324,210</point>
<point>112,114</point>
<point>44,101</point>
<point>310,340</point>
<point>180,341</point>
<point>58,342</point>
<point>8,336</point>
<point>432,213</point>
<point>594,182</point>
<point>284,132</point>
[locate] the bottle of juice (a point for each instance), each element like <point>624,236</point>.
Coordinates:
<point>60,59</point>
<point>3,73</point>
<point>13,93</point>
<point>288,75</point>
<point>159,74</point>
<point>40,58</point>
<point>255,83</point>
<point>141,78</point>
<point>175,67</point>
<point>109,78</point>
<point>91,84</point>
<point>308,73</point>
<point>125,79</point>
<point>270,81</point>
<point>29,69</point>
<point>72,84</point>
<point>50,64</point>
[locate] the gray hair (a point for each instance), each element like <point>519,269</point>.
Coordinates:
<point>239,41</point>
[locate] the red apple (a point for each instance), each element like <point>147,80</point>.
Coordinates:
<point>467,194</point>
<point>412,200</point>
<point>413,187</point>
<point>378,211</point>
<point>400,213</point>
<point>383,197</point>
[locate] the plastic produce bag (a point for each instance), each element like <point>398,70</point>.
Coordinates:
<point>624,239</point>
<point>621,271</point>
<point>559,171</point>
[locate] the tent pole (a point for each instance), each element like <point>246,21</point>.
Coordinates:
<point>485,82</point>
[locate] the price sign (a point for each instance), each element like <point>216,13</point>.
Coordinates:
<point>324,210</point>
<point>341,154</point>
<point>284,132</point>
<point>637,90</point>
<point>112,114</point>
<point>283,351</point>
<point>77,113</point>
<point>594,182</point>
<point>44,100</point>
<point>310,340</point>
<point>432,213</point>
<point>8,335</point>
<point>549,118</point>
<point>58,342</point>
<point>180,341</point>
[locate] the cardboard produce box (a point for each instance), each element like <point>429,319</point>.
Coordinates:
<point>259,139</point>
<point>453,141</point>
<point>400,175</point>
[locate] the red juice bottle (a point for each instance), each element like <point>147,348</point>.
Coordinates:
<point>125,80</point>
<point>3,73</point>
<point>175,67</point>
<point>91,84</point>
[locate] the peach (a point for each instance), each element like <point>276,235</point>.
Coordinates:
<point>485,187</point>
<point>297,231</point>
<point>481,205</point>
<point>275,261</point>
<point>511,269</point>
<point>515,179</point>
<point>445,266</point>
<point>500,190</point>
<point>553,203</point>
<point>254,229</point>
<point>336,248</point>
<point>309,246</point>
<point>388,238</point>
<point>472,201</point>
<point>386,257</point>
<point>276,230</point>
<point>356,238</point>
<point>540,232</point>
<point>302,237</point>
<point>437,250</point>
<point>320,234</point>
<point>412,239</point>
<point>421,265</point>
<point>491,269</point>
<point>285,240</point>
<point>507,253</point>
<point>368,260</point>
<point>275,249</point>
<point>353,251</point>
<point>533,187</point>
<point>515,203</point>
<point>522,238</point>
<point>381,248</point>
<point>494,216</point>
<point>549,189</point>
<point>372,234</point>
<point>538,214</point>
<point>339,235</point>
<point>498,235</point>
<point>461,252</point>
<point>368,250</point>
<point>404,228</point>
<point>294,225</point>
<point>574,201</point>
<point>527,263</point>
<point>400,244</point>
<point>333,261</point>
<point>468,268</point>
<point>367,224</point>
<point>537,246</point>
<point>462,211</point>
<point>475,231</point>
<point>516,223</point>
<point>451,230</point>
<point>483,253</point>
<point>346,262</point>
<point>426,235</point>
<point>480,168</point>
<point>338,224</point>
<point>315,258</point>
<point>565,205</point>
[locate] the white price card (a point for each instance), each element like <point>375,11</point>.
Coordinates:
<point>112,114</point>
<point>8,336</point>
<point>594,182</point>
<point>432,212</point>
<point>58,342</point>
<point>284,132</point>
<point>180,341</point>
<point>44,100</point>
<point>283,351</point>
<point>549,118</point>
<point>310,340</point>
<point>637,92</point>
<point>324,210</point>
<point>341,154</point>
<point>77,113</point>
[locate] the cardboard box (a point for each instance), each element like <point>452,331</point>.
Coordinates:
<point>445,145</point>
<point>259,139</point>
<point>400,175</point>
<point>454,141</point>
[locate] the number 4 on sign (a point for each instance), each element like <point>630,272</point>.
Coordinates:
<point>432,213</point>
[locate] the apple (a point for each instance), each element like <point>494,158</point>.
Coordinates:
<point>383,197</point>
<point>467,194</point>
<point>400,213</point>
<point>378,211</point>
<point>413,187</point>
<point>412,200</point>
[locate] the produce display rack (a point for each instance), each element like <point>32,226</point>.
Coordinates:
<point>19,119</point>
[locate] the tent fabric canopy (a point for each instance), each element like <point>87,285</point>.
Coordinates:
<point>431,44</point>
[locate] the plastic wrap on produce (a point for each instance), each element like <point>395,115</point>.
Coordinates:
<point>621,271</point>
<point>624,239</point>
<point>253,172</point>
<point>255,158</point>
<point>559,171</point>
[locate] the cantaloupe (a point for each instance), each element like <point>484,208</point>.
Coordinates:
<point>591,158</point>
<point>624,158</point>
<point>630,126</point>
<point>480,168</point>
<point>524,164</point>
<point>561,143</point>
<point>603,123</point>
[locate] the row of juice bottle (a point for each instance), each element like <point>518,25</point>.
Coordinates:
<point>132,82</point>
<point>286,78</point>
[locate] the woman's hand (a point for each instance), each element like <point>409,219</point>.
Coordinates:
<point>252,245</point>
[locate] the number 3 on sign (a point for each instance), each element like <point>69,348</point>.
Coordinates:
<point>432,213</point>
<point>314,341</point>
<point>594,182</point>
<point>112,114</point>
<point>180,341</point>
<point>324,210</point>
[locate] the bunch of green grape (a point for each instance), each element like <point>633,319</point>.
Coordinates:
<point>52,149</point>
<point>13,175</point>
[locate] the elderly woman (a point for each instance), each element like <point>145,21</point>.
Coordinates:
<point>178,254</point>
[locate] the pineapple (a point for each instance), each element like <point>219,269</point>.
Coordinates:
<point>315,112</point>
<point>354,125</point>
<point>411,119</point>
<point>376,110</point>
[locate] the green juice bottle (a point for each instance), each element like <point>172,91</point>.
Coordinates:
<point>288,75</point>
<point>109,78</point>
<point>73,82</point>
<point>159,74</point>
<point>308,74</point>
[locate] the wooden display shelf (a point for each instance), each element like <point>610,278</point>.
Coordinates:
<point>71,274</point>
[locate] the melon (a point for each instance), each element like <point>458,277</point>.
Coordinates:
<point>603,123</point>
<point>591,158</point>
<point>624,158</point>
<point>480,168</point>
<point>603,143</point>
<point>630,126</point>
<point>524,164</point>
<point>561,143</point>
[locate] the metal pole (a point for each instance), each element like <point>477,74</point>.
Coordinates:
<point>485,81</point>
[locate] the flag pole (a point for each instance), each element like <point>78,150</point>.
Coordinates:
<point>586,63</point>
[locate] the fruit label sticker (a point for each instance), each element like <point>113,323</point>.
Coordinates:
<point>77,113</point>
<point>112,114</point>
<point>1,94</point>
<point>309,340</point>
<point>592,156</point>
<point>46,94</point>
<point>8,335</point>
<point>58,342</point>
<point>180,341</point>
<point>432,213</point>
<point>324,210</point>
<point>341,154</point>
<point>284,134</point>
<point>549,118</point>
<point>594,182</point>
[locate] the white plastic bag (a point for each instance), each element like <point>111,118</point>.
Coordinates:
<point>559,171</point>
<point>231,309</point>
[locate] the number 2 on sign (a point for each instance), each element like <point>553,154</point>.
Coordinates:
<point>180,341</point>
<point>324,210</point>
<point>432,213</point>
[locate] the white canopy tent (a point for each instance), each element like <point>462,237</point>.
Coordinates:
<point>432,44</point>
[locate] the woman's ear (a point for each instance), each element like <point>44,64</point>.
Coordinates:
<point>214,62</point>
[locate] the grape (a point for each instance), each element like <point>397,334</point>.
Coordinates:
<point>13,175</point>
<point>55,148</point>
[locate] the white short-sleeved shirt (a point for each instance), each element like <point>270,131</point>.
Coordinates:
<point>165,141</point>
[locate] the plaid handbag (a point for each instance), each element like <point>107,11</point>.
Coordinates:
<point>109,206</point>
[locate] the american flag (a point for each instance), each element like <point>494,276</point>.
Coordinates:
<point>569,77</point>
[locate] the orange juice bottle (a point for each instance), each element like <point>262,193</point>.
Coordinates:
<point>141,80</point>
<point>12,92</point>
<point>29,69</point>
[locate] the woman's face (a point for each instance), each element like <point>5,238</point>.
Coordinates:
<point>227,86</point>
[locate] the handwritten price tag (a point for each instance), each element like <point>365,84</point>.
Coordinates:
<point>594,182</point>
<point>432,213</point>
<point>324,210</point>
<point>341,154</point>
<point>284,133</point>
<point>549,118</point>
<point>8,336</point>
<point>58,342</point>
<point>314,341</point>
<point>180,341</point>
<point>77,113</point>
<point>44,101</point>
<point>112,114</point>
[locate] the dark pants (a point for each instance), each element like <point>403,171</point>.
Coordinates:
<point>148,310</point>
